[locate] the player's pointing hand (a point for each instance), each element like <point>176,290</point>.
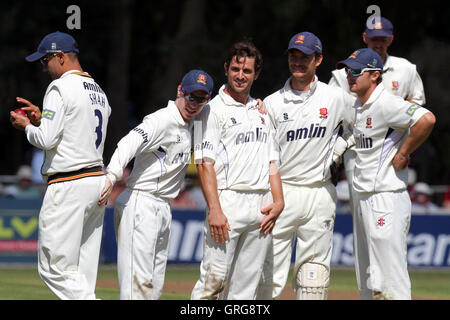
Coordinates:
<point>34,113</point>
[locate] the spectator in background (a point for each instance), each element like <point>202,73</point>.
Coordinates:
<point>446,199</point>
<point>184,200</point>
<point>191,195</point>
<point>412,179</point>
<point>24,188</point>
<point>422,201</point>
<point>343,197</point>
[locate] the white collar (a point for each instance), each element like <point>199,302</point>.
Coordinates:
<point>228,100</point>
<point>299,96</point>
<point>176,113</point>
<point>388,66</point>
<point>373,97</point>
<point>72,71</point>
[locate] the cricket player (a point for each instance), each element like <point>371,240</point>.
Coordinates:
<point>244,198</point>
<point>161,146</point>
<point>400,77</point>
<point>306,115</point>
<point>387,130</point>
<point>71,129</point>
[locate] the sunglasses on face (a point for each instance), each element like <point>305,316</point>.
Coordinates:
<point>358,72</point>
<point>200,100</point>
<point>44,60</point>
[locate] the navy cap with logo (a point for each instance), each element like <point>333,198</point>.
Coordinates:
<point>362,58</point>
<point>379,27</point>
<point>306,42</point>
<point>54,42</point>
<point>197,80</point>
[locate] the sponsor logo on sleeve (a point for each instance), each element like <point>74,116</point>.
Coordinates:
<point>412,108</point>
<point>48,114</point>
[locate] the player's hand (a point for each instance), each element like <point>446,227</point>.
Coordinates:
<point>18,121</point>
<point>271,212</point>
<point>261,107</point>
<point>218,226</point>
<point>106,192</point>
<point>400,161</point>
<point>34,113</point>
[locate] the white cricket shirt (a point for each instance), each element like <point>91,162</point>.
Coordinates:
<point>72,132</point>
<point>161,145</point>
<point>306,126</point>
<point>381,127</point>
<point>400,77</point>
<point>237,137</point>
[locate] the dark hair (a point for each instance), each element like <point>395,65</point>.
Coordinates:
<point>72,55</point>
<point>243,49</point>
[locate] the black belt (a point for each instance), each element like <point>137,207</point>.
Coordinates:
<point>74,175</point>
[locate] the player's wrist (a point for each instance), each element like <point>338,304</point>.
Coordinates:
<point>112,178</point>
<point>404,154</point>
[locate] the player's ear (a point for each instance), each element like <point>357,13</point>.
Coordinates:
<point>61,56</point>
<point>364,37</point>
<point>319,59</point>
<point>390,40</point>
<point>375,75</point>
<point>225,67</point>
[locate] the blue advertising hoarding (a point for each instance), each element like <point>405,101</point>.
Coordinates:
<point>428,240</point>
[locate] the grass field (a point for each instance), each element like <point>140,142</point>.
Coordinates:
<point>23,283</point>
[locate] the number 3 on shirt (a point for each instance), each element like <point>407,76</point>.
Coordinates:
<point>98,129</point>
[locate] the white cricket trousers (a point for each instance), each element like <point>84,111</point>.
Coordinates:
<point>142,224</point>
<point>237,264</point>
<point>309,213</point>
<point>380,228</point>
<point>70,234</point>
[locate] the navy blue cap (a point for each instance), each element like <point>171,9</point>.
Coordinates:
<point>381,27</point>
<point>54,42</point>
<point>306,42</point>
<point>362,58</point>
<point>197,80</point>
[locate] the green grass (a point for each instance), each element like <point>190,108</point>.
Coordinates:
<point>23,283</point>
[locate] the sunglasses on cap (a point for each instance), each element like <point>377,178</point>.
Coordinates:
<point>45,59</point>
<point>359,72</point>
<point>200,100</point>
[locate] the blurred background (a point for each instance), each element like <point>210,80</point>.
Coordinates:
<point>139,50</point>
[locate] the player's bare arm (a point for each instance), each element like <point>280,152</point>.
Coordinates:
<point>418,134</point>
<point>33,112</point>
<point>218,222</point>
<point>273,210</point>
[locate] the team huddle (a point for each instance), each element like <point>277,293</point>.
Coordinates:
<point>267,168</point>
